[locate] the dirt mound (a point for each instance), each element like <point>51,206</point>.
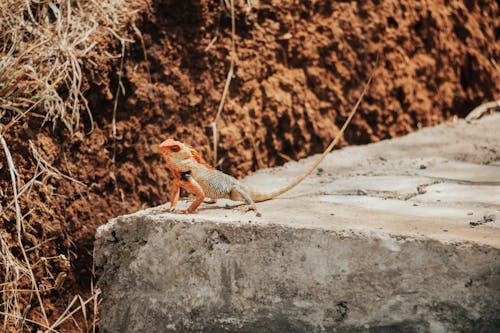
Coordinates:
<point>299,70</point>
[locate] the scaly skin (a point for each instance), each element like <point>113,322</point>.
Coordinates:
<point>192,173</point>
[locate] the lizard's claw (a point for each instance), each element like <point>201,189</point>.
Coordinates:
<point>165,210</point>
<point>246,208</point>
<point>185,211</point>
<point>172,210</point>
<point>161,210</point>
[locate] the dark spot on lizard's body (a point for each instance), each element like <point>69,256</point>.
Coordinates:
<point>185,175</point>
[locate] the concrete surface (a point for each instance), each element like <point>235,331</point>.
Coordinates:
<point>397,236</point>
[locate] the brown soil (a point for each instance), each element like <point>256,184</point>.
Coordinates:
<point>300,69</point>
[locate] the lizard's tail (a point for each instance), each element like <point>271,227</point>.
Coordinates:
<point>258,197</point>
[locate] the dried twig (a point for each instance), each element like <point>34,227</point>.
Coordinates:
<point>14,176</point>
<point>228,82</point>
<point>8,314</point>
<point>65,315</point>
<point>482,109</point>
<point>49,169</point>
<point>120,87</point>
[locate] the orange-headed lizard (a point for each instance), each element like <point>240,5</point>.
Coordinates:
<point>193,174</point>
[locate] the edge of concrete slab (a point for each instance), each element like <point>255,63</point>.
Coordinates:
<point>235,277</point>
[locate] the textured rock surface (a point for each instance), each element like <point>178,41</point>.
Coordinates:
<point>402,236</point>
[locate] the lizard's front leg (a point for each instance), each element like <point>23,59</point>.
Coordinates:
<point>174,196</point>
<point>193,187</point>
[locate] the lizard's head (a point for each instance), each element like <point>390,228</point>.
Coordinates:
<point>177,153</point>
<point>171,148</point>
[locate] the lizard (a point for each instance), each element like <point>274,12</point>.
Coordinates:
<point>192,173</point>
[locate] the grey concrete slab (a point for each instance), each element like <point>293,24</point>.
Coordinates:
<point>460,172</point>
<point>401,235</point>
<point>462,194</point>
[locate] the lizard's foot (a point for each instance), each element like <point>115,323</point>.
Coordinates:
<point>164,210</point>
<point>246,208</point>
<point>185,211</point>
<point>209,201</point>
<point>173,210</point>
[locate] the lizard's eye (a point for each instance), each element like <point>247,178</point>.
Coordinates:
<point>175,149</point>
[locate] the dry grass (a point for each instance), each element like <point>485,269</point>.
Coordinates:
<point>43,46</point>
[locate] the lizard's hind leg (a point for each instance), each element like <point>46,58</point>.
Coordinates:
<point>238,193</point>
